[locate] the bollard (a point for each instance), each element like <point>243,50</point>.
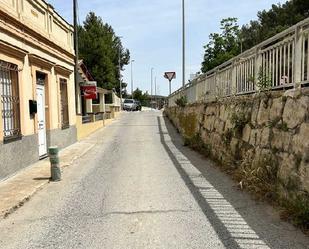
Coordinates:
<point>54,164</point>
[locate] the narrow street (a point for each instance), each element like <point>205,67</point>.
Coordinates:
<point>139,187</point>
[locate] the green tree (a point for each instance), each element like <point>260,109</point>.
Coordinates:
<point>233,40</point>
<point>223,46</point>
<point>141,97</point>
<point>100,47</point>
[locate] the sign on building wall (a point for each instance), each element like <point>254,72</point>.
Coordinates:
<point>89,90</point>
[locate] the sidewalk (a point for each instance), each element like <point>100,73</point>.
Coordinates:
<point>18,189</point>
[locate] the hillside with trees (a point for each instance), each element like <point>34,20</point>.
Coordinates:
<point>232,39</point>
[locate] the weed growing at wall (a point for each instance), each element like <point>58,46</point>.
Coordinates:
<point>196,143</point>
<point>296,210</point>
<point>182,101</point>
<point>272,123</point>
<point>239,120</point>
<point>283,126</point>
<point>227,137</point>
<point>260,176</point>
<point>264,82</point>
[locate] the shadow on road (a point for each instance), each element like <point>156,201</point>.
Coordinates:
<point>238,221</point>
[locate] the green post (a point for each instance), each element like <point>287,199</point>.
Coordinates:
<point>54,164</point>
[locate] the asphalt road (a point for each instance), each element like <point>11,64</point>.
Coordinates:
<point>140,188</point>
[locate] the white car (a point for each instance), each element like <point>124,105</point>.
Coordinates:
<point>129,105</point>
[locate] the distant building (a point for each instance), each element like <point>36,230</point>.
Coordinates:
<point>37,93</point>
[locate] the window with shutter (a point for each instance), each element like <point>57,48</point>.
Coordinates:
<point>9,95</point>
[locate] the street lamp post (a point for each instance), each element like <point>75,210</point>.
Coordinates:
<point>119,64</point>
<point>152,80</point>
<point>183,45</point>
<point>132,78</point>
<point>151,87</point>
<point>156,91</point>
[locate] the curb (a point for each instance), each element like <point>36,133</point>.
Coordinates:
<point>22,202</point>
<point>25,199</point>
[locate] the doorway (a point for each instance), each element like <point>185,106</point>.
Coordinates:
<point>41,119</point>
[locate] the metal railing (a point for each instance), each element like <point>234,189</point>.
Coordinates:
<point>279,62</point>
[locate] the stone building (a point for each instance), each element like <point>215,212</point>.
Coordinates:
<point>37,93</point>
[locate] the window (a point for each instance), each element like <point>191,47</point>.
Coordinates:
<point>65,123</point>
<point>97,100</point>
<point>9,96</point>
<point>50,24</point>
<point>129,101</point>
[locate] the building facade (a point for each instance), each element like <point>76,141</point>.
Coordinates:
<point>37,93</point>
<point>94,104</point>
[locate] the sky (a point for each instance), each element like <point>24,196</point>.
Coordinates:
<point>152,31</point>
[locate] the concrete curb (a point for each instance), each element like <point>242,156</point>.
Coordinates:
<point>21,181</point>
<point>5,213</point>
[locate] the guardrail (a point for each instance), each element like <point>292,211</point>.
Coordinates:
<point>279,62</point>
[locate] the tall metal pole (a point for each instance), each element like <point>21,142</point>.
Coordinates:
<point>76,55</point>
<point>120,85</point>
<point>152,80</point>
<point>132,79</point>
<point>151,93</point>
<point>156,91</point>
<point>183,45</point>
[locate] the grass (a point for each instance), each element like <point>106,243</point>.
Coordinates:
<point>296,211</point>
<point>259,176</point>
<point>196,143</point>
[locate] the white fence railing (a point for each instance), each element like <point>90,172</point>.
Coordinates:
<point>279,62</point>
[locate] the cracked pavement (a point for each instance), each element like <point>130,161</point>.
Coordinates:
<point>138,187</point>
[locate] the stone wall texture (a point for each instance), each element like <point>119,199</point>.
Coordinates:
<point>263,137</point>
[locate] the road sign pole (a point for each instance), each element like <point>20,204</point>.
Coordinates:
<point>170,83</point>
<point>170,76</point>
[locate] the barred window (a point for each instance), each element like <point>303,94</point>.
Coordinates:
<point>65,123</point>
<point>9,96</point>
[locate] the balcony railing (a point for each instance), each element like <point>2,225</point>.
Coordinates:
<point>283,61</point>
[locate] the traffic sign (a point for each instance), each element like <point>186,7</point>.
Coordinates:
<point>170,75</point>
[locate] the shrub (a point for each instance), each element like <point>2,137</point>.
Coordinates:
<point>196,143</point>
<point>227,137</point>
<point>182,101</point>
<point>264,82</point>
<point>239,120</point>
<point>296,210</point>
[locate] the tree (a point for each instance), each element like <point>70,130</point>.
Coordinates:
<point>233,40</point>
<point>99,47</point>
<point>141,97</point>
<point>223,46</point>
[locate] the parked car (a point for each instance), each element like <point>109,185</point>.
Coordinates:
<point>139,105</point>
<point>129,105</point>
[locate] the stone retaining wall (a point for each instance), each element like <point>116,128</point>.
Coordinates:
<point>262,138</point>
